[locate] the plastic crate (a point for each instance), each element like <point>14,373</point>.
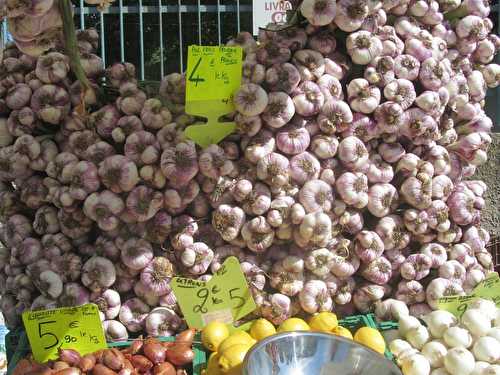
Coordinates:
<point>21,351</point>
<point>354,322</point>
<point>11,342</point>
<point>199,361</point>
<point>494,249</point>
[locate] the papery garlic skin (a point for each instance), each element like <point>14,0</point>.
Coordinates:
<point>316,195</point>
<point>363,47</point>
<point>314,297</point>
<point>250,100</point>
<point>318,12</point>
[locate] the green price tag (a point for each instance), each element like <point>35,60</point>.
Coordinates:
<point>212,77</point>
<point>456,304</point>
<point>225,297</point>
<point>489,288</point>
<point>77,328</point>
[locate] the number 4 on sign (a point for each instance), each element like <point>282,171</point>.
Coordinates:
<point>213,76</point>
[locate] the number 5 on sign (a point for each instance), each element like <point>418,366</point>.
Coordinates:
<point>212,77</point>
<point>77,328</point>
<point>225,298</point>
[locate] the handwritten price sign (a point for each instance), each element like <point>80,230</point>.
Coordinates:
<point>225,298</point>
<point>213,75</point>
<point>489,288</point>
<point>76,328</point>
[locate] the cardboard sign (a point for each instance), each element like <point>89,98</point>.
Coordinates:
<point>489,288</point>
<point>77,328</point>
<point>225,298</point>
<point>269,11</point>
<point>212,77</point>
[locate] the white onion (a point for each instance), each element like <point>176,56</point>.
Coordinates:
<point>486,349</point>
<point>459,361</point>
<point>405,355</point>
<point>434,351</point>
<point>439,321</point>
<point>456,337</point>
<point>407,323</point>
<point>398,346</point>
<point>416,365</point>
<point>495,333</point>
<point>486,306</point>
<point>476,322</point>
<point>418,337</point>
<point>479,368</point>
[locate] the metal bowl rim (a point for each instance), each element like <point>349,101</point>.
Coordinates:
<point>330,336</point>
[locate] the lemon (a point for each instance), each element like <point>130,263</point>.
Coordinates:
<point>323,322</point>
<point>262,328</point>
<point>237,337</point>
<point>342,331</point>
<point>231,360</point>
<point>371,338</point>
<point>213,334</point>
<point>213,364</point>
<point>293,324</point>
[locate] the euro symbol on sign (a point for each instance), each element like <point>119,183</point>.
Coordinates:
<point>73,324</point>
<point>215,289</point>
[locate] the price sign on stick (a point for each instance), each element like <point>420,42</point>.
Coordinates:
<point>77,328</point>
<point>212,77</point>
<point>489,288</point>
<point>225,298</point>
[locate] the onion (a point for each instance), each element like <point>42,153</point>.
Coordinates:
<point>459,361</point>
<point>486,349</point>
<point>416,364</point>
<point>476,322</point>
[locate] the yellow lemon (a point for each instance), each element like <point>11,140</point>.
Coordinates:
<point>231,360</point>
<point>237,337</point>
<point>323,322</point>
<point>213,334</point>
<point>262,328</point>
<point>213,364</point>
<point>342,331</point>
<point>371,338</point>
<point>293,324</point>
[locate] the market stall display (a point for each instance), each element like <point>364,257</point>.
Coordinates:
<point>447,344</point>
<point>160,356</point>
<point>346,187</point>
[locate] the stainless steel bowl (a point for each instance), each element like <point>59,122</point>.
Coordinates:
<point>311,353</point>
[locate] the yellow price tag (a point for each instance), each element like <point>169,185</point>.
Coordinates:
<point>225,297</point>
<point>77,328</point>
<point>213,75</point>
<point>456,304</point>
<point>489,288</point>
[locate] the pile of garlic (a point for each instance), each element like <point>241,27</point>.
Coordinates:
<point>447,345</point>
